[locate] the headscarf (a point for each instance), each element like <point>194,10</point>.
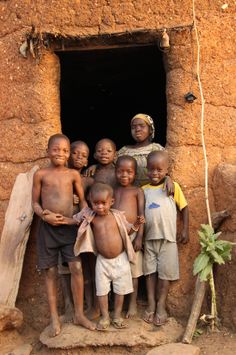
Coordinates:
<point>147,119</point>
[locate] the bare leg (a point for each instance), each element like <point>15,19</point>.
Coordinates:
<point>104,322</point>
<point>103,304</point>
<point>151,281</point>
<point>119,300</point>
<point>132,311</point>
<point>151,291</point>
<point>161,314</point>
<point>77,286</point>
<point>118,321</point>
<point>51,286</point>
<point>94,311</point>
<point>87,282</point>
<point>68,298</point>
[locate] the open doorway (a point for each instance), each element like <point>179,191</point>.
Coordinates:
<point>102,89</point>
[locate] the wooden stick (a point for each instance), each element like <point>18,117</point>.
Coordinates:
<point>200,288</point>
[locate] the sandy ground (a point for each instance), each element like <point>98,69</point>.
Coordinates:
<point>218,343</point>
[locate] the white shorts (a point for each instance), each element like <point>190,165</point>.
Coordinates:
<point>115,270</point>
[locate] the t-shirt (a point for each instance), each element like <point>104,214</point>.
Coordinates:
<point>161,213</point>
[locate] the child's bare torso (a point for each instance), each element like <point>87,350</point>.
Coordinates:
<point>106,175</point>
<point>126,199</point>
<point>57,190</point>
<point>107,236</point>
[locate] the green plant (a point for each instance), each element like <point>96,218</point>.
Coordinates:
<point>213,250</point>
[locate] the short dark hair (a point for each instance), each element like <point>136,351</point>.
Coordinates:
<point>100,187</point>
<point>129,158</point>
<point>157,153</point>
<point>74,144</point>
<point>108,140</point>
<point>57,136</point>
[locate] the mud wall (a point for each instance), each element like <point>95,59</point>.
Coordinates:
<point>30,104</point>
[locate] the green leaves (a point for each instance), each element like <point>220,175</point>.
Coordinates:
<point>213,251</point>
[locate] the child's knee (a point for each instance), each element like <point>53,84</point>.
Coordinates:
<point>51,273</point>
<point>75,268</point>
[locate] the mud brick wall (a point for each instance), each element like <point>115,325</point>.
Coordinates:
<point>30,103</point>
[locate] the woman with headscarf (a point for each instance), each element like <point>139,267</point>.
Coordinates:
<point>142,131</point>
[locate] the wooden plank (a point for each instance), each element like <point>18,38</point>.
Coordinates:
<point>18,219</point>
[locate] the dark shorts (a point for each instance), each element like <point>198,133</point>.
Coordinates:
<point>54,239</point>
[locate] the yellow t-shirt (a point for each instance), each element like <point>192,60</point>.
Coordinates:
<point>178,194</point>
<point>160,212</point>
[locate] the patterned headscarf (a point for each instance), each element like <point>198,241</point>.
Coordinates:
<point>148,119</point>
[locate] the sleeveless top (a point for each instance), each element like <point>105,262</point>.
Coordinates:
<point>140,155</point>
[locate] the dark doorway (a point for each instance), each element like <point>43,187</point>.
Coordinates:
<point>102,89</point>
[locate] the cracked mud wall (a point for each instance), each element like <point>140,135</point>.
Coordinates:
<point>30,103</point>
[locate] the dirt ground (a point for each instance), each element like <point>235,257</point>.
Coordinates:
<point>217,343</point>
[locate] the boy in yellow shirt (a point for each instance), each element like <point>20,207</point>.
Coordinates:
<point>161,264</point>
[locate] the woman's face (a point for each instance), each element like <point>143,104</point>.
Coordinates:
<point>140,130</point>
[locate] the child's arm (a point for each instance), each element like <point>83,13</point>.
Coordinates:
<point>79,190</point>
<point>36,192</point>
<point>184,237</point>
<point>46,215</point>
<point>136,225</point>
<point>90,171</point>
<point>138,241</point>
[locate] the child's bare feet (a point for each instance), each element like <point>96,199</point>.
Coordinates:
<point>160,316</point>
<point>84,322</point>
<point>55,327</point>
<point>67,317</point>
<point>132,311</point>
<point>93,313</point>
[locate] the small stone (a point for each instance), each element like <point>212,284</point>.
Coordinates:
<point>21,350</point>
<point>224,6</point>
<point>10,317</point>
<point>175,349</point>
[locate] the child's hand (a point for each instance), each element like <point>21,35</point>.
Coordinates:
<point>91,170</point>
<point>139,221</point>
<point>75,199</point>
<point>137,244</point>
<point>183,237</point>
<point>45,212</point>
<point>69,221</point>
<point>169,186</point>
<point>55,219</point>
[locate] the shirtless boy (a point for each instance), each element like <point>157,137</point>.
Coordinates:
<point>110,230</point>
<point>130,199</point>
<point>78,160</point>
<point>52,198</point>
<point>104,171</point>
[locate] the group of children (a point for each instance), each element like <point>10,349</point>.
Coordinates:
<point>104,213</point>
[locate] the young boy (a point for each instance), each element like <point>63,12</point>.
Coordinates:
<point>104,171</point>
<point>78,160</point>
<point>110,231</point>
<point>52,198</point>
<point>161,253</point>
<point>130,199</point>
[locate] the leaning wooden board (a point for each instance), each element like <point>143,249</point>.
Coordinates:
<point>18,219</point>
